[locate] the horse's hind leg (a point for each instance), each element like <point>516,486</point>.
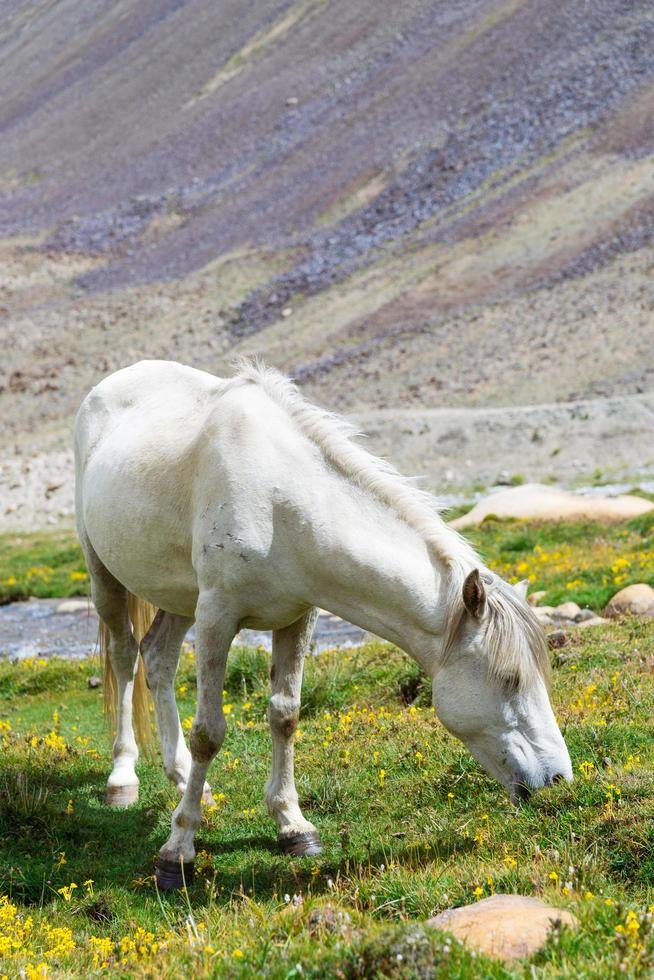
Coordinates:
<point>160,649</point>
<point>215,629</point>
<point>110,599</point>
<point>296,835</point>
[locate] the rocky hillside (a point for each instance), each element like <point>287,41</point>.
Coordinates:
<point>415,206</point>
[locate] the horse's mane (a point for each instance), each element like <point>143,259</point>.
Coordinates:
<point>514,637</point>
<point>514,640</point>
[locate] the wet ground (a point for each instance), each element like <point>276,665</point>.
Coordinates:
<point>68,628</point>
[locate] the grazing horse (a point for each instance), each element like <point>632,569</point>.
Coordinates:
<point>236,503</point>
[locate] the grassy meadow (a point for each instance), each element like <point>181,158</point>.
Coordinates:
<point>411,824</point>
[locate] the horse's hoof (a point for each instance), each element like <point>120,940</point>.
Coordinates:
<point>207,798</point>
<point>122,796</point>
<point>173,874</point>
<point>306,844</point>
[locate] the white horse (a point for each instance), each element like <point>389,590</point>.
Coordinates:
<point>236,503</point>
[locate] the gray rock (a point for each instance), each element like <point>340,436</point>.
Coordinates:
<point>592,621</point>
<point>567,610</point>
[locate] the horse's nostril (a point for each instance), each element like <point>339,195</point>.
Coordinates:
<point>558,777</point>
<point>522,791</point>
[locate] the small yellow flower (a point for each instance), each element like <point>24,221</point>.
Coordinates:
<point>35,971</point>
<point>67,891</point>
<point>586,768</point>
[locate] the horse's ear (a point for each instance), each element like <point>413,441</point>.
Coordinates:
<point>474,594</point>
<point>522,588</point>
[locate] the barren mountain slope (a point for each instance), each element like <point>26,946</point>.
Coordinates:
<point>414,206</point>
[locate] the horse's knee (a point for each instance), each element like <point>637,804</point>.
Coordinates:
<point>283,714</point>
<point>122,649</point>
<point>205,741</point>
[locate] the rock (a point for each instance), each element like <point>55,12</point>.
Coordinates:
<point>75,606</point>
<point>535,597</point>
<point>557,639</point>
<point>94,682</point>
<point>635,599</point>
<point>538,502</point>
<point>507,927</point>
<point>592,621</point>
<point>287,311</point>
<point>585,614</point>
<point>292,100</point>
<point>567,610</point>
<point>544,613</point>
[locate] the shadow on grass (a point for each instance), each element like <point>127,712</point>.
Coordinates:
<point>47,842</point>
<point>55,828</point>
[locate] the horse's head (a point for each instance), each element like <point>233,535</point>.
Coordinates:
<point>490,687</point>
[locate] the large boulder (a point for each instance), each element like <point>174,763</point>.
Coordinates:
<point>635,599</point>
<point>507,927</point>
<point>535,501</point>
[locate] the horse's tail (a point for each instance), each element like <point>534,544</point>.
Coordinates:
<point>141,614</point>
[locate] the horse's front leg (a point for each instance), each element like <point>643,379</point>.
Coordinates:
<point>214,634</point>
<point>296,835</point>
<point>160,649</point>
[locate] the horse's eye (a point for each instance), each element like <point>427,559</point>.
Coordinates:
<point>511,684</point>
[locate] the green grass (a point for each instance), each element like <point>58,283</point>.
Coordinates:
<point>398,847</point>
<point>42,564</point>
<point>426,835</point>
<point>585,561</point>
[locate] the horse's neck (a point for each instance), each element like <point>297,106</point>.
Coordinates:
<point>382,576</point>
